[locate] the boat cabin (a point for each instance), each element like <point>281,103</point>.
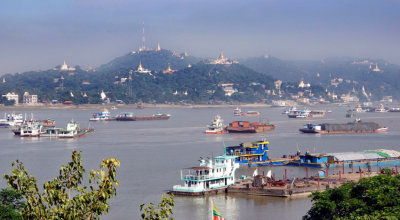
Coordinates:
<point>251,152</point>
<point>308,158</point>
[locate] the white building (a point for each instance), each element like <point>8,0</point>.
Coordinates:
<point>65,67</point>
<point>12,96</point>
<point>304,85</point>
<point>29,99</point>
<point>349,98</point>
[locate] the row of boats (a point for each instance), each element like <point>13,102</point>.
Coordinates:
<point>216,174</point>
<point>380,109</point>
<point>217,127</point>
<point>23,127</point>
<point>126,116</point>
<point>32,128</point>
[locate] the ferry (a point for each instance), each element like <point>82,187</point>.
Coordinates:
<point>366,158</point>
<point>10,120</point>
<point>255,154</point>
<point>102,116</point>
<point>252,113</point>
<point>300,114</point>
<point>217,126</point>
<point>237,112</point>
<point>210,177</point>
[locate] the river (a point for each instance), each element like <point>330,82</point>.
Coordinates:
<point>152,153</point>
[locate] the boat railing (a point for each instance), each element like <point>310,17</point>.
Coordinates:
<point>195,177</point>
<point>205,177</point>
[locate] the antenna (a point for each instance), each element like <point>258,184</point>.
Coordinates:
<point>143,38</point>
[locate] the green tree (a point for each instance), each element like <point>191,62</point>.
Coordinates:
<point>64,197</point>
<point>371,198</point>
<point>163,210</point>
<point>10,202</point>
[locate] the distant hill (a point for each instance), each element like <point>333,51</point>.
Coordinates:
<point>153,60</point>
<point>275,67</point>
<point>350,73</point>
<point>251,80</point>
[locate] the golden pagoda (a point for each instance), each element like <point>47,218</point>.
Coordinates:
<point>140,69</point>
<point>158,47</point>
<point>4,80</point>
<point>169,70</point>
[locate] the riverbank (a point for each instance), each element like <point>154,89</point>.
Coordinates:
<point>128,106</point>
<point>143,105</point>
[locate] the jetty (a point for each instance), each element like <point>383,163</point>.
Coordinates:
<point>262,185</point>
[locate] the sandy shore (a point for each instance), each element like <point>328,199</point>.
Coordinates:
<point>130,106</point>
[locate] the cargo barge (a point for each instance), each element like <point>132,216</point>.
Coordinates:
<point>249,127</point>
<point>350,127</point>
<point>132,117</point>
<point>367,158</point>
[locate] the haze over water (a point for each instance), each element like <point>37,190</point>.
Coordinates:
<point>152,153</point>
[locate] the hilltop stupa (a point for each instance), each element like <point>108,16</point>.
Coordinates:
<point>140,69</point>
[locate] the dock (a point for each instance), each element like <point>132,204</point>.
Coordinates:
<point>265,186</point>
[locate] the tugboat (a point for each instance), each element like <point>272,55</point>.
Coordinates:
<point>102,116</point>
<point>217,126</point>
<point>249,127</point>
<point>255,154</point>
<point>28,129</point>
<point>237,112</point>
<point>212,176</point>
<point>72,130</point>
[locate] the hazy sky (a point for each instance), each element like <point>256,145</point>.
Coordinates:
<point>42,34</point>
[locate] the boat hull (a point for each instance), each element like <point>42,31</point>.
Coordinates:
<point>313,131</point>
<point>199,193</point>
<point>142,118</point>
<point>215,132</point>
<point>350,164</point>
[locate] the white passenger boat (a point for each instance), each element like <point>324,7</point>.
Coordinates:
<point>11,120</point>
<point>212,176</point>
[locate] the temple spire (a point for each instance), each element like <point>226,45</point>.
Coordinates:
<point>158,47</point>
<point>221,55</point>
